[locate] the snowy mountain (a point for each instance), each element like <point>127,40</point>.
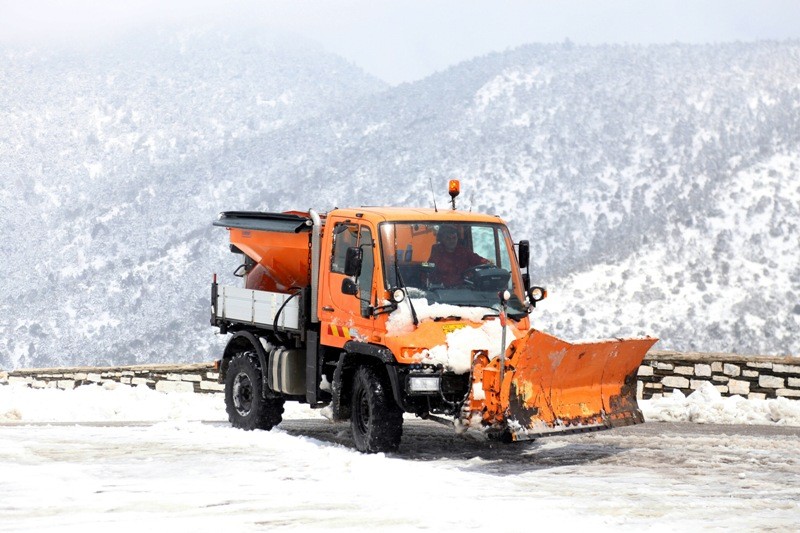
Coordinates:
<point>659,185</point>
<point>103,203</point>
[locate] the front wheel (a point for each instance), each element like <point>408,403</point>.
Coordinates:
<point>246,406</point>
<point>376,420</point>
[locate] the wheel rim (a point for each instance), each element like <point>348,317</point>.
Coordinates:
<point>242,394</point>
<point>362,412</point>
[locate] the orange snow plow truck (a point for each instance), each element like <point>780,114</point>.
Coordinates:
<point>376,312</point>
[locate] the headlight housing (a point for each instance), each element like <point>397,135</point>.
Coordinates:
<point>537,294</point>
<point>424,384</point>
<point>398,295</point>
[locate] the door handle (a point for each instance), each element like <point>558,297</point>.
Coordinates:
<point>326,308</point>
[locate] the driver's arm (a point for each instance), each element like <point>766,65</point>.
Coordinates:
<point>476,260</point>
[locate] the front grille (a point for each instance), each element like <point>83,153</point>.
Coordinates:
<point>455,385</point>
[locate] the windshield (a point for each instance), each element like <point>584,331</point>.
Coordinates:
<point>463,264</point>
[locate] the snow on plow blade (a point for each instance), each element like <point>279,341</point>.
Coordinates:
<point>551,386</point>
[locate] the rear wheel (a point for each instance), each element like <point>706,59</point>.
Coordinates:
<point>376,420</point>
<point>244,402</point>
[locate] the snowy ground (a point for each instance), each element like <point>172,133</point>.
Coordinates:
<point>132,459</point>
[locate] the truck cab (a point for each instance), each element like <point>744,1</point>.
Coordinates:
<point>396,269</point>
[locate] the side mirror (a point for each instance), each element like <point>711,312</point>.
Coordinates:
<point>349,287</point>
<point>352,261</point>
<point>524,257</point>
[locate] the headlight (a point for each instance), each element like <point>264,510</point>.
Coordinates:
<point>538,294</point>
<point>423,383</point>
<point>398,295</point>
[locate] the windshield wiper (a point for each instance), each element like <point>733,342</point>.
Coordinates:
<point>408,297</point>
<point>451,317</point>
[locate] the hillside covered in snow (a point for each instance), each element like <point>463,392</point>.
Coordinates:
<point>659,185</point>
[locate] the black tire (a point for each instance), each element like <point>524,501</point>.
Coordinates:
<point>247,408</point>
<point>376,420</point>
<point>340,388</point>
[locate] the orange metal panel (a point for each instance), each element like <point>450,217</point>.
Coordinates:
<point>552,386</point>
<point>283,258</point>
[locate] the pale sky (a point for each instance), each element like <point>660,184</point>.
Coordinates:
<point>406,40</point>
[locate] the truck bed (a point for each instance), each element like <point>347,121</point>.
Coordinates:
<point>257,308</point>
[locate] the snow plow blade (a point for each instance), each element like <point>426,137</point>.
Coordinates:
<point>550,386</point>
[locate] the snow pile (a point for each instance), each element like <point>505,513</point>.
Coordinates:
<point>114,402</point>
<point>456,353</point>
<point>707,406</point>
<point>401,321</point>
<point>110,402</point>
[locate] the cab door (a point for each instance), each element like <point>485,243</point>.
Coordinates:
<point>345,317</point>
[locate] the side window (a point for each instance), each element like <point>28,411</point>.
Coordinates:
<point>489,243</point>
<point>344,237</point>
<point>483,242</point>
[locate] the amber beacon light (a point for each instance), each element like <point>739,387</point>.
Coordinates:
<point>454,188</point>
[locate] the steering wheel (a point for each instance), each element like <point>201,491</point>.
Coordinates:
<point>469,274</point>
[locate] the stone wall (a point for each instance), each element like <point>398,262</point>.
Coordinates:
<point>661,373</point>
<point>755,377</point>
<point>201,377</point>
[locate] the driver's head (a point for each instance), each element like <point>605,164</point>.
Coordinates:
<point>448,236</point>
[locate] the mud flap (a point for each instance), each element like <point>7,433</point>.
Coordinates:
<point>550,386</point>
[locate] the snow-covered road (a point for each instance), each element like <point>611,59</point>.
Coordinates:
<point>189,475</point>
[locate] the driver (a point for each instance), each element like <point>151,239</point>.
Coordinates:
<point>452,259</point>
